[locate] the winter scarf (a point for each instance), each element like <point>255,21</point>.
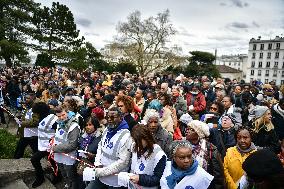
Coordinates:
<point>177,174</point>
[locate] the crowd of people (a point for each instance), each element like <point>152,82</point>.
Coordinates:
<point>111,130</point>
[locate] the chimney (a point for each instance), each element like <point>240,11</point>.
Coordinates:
<point>259,37</point>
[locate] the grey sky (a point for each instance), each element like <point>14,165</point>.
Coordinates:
<point>202,24</point>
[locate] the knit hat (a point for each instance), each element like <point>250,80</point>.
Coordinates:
<point>99,113</point>
<point>258,111</point>
<point>200,128</point>
<point>261,164</point>
<point>185,118</point>
<point>231,116</point>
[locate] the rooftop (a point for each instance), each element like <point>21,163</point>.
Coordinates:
<point>227,69</point>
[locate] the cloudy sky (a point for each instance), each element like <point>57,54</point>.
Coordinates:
<point>225,25</point>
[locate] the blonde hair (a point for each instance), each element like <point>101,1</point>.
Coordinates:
<point>259,123</point>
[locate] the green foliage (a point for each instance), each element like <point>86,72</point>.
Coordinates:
<point>101,65</point>
<point>15,28</point>
<point>201,63</point>
<point>44,60</point>
<point>201,57</point>
<point>125,66</point>
<point>8,143</point>
<point>56,32</point>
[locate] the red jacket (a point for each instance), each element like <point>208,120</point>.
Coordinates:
<point>199,102</point>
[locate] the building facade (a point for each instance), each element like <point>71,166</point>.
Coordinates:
<point>266,60</point>
<point>238,62</point>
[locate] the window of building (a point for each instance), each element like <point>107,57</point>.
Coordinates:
<point>268,55</point>
<point>239,64</point>
<point>269,46</point>
<point>260,64</point>
<point>277,55</point>
<point>259,72</point>
<point>277,45</point>
<point>253,55</point>
<point>254,47</point>
<point>253,64</point>
<point>274,73</point>
<point>266,81</point>
<point>267,64</point>
<point>283,65</point>
<point>261,46</point>
<point>260,55</point>
<point>235,63</point>
<point>275,64</point>
<point>282,82</point>
<point>252,72</point>
<point>229,63</point>
<point>282,73</point>
<point>266,72</point>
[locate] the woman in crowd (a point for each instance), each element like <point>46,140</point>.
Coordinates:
<point>215,110</point>
<point>148,159</point>
<point>183,171</point>
<point>224,137</point>
<point>126,105</point>
<point>168,113</point>
<point>91,104</point>
<point>205,152</point>
<point>196,102</point>
<point>264,133</point>
<point>162,137</point>
<point>88,142</point>
<point>235,157</point>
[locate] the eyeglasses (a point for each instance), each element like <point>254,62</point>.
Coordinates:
<point>213,108</point>
<point>112,116</point>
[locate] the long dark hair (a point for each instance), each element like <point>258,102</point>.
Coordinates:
<point>138,133</point>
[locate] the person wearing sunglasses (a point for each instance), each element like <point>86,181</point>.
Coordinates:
<point>215,110</point>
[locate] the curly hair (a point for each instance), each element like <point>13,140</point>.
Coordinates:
<point>127,101</point>
<point>138,133</point>
<point>71,104</point>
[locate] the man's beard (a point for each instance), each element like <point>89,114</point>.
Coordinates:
<point>111,126</point>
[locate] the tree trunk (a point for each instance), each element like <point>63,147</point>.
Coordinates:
<point>8,61</point>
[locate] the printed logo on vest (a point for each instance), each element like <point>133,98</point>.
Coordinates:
<point>43,123</point>
<point>141,166</point>
<point>188,187</point>
<point>110,145</point>
<point>61,131</point>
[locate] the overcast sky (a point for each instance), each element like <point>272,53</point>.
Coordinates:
<point>205,25</point>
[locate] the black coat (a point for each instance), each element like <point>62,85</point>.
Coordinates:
<point>222,139</point>
<point>278,122</point>
<point>215,167</point>
<point>267,139</point>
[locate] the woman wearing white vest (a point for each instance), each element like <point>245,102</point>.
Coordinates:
<point>148,161</point>
<point>66,141</point>
<point>46,130</point>
<point>113,154</point>
<point>184,172</point>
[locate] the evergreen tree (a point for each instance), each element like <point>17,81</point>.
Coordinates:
<point>15,28</point>
<point>57,32</point>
